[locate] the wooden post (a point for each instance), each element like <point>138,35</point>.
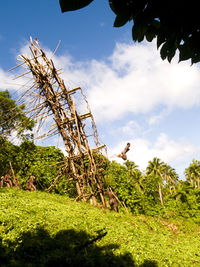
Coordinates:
<point>13,174</point>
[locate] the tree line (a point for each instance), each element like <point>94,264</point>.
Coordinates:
<point>157,191</point>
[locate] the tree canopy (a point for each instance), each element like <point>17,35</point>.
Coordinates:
<point>12,116</point>
<point>175,24</point>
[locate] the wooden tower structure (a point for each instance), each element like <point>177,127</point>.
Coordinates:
<point>48,96</point>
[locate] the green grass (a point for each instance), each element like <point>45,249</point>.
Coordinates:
<point>41,229</point>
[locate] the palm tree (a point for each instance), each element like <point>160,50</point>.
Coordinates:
<point>134,175</point>
<point>192,174</point>
<point>170,176</point>
<point>156,168</point>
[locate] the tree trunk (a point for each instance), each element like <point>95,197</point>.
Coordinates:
<point>160,194</point>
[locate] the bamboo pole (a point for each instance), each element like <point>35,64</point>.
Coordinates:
<point>13,174</point>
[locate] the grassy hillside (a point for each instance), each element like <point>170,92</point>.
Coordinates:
<point>41,229</point>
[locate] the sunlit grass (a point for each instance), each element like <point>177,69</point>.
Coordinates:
<point>147,240</point>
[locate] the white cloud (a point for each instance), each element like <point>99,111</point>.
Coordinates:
<point>6,81</point>
<point>133,80</point>
<point>102,24</point>
<point>155,119</point>
<point>173,151</point>
<point>132,128</point>
<point>168,150</point>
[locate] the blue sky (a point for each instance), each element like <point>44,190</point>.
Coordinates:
<point>135,96</point>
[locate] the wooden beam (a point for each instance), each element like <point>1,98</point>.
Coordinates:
<point>97,148</point>
<point>81,117</point>
<point>85,116</point>
<point>73,90</point>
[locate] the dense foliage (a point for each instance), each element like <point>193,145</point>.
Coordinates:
<point>175,24</point>
<point>12,117</point>
<point>42,162</point>
<point>157,192</point>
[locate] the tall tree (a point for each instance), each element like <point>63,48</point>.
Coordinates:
<point>12,116</point>
<point>171,178</point>
<point>192,174</point>
<point>175,24</point>
<point>8,153</point>
<point>134,175</point>
<point>155,168</point>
